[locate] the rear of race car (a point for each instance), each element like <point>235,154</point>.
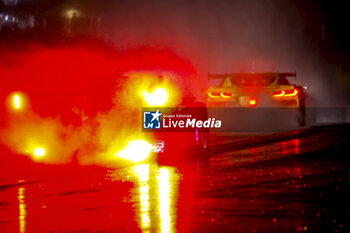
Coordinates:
<point>256,90</point>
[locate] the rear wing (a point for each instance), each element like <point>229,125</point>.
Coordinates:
<point>266,74</point>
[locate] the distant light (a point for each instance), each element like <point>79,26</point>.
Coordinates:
<point>135,151</point>
<point>39,152</point>
<point>10,2</point>
<point>252,102</point>
<point>17,101</point>
<point>72,13</point>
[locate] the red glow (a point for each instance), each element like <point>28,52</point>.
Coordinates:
<point>88,79</point>
<point>296,145</point>
<point>76,85</point>
<point>290,147</point>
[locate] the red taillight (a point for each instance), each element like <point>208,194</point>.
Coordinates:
<point>293,92</point>
<point>285,93</point>
<point>253,102</point>
<point>219,94</point>
<point>278,93</point>
<point>214,94</point>
<point>226,95</point>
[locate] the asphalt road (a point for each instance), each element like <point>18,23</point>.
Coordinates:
<point>296,181</point>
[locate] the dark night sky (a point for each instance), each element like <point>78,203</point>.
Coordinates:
<point>308,36</point>
<point>223,21</point>
<point>333,13</point>
<point>308,15</point>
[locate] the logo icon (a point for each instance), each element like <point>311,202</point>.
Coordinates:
<point>151,120</point>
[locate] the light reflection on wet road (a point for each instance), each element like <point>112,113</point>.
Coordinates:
<point>155,195</point>
<point>291,184</point>
<point>22,210</point>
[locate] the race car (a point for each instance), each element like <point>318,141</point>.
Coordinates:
<point>174,146</point>
<point>268,89</point>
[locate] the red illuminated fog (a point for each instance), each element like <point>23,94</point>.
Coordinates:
<point>83,101</point>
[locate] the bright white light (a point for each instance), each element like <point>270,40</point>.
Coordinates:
<point>16,101</point>
<point>156,98</point>
<point>39,152</point>
<point>135,151</point>
<point>142,172</point>
<point>164,189</point>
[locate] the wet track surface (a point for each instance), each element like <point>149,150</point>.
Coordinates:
<point>294,181</point>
